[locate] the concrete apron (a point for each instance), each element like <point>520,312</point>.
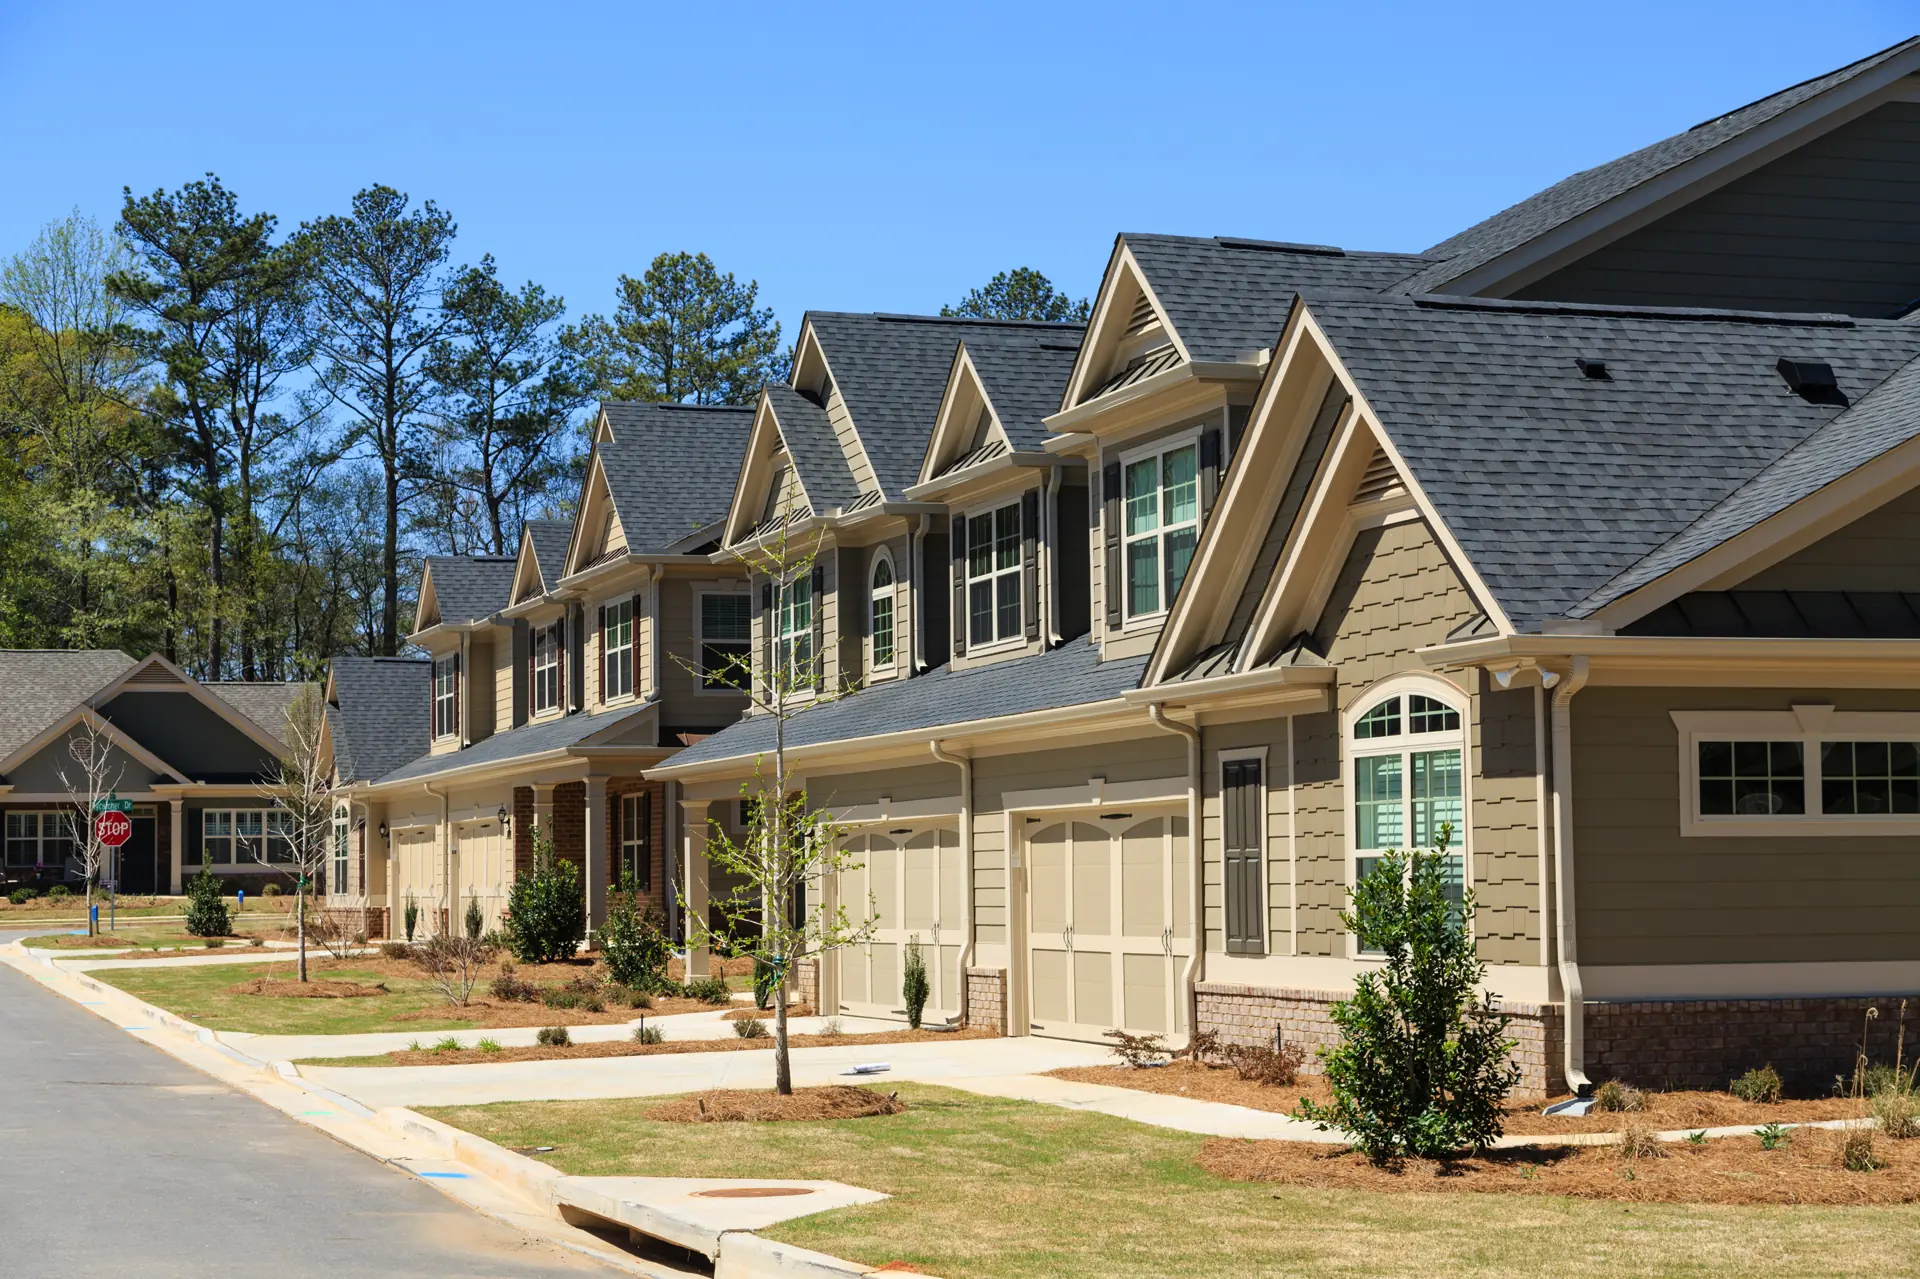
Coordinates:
<point>519,1192</point>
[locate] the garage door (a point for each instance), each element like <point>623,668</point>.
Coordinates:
<point>911,880</point>
<point>416,856</point>
<point>480,853</point>
<point>1109,924</point>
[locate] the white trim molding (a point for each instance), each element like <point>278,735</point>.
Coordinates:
<point>1810,725</point>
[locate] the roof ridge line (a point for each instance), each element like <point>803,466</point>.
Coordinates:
<point>1800,319</point>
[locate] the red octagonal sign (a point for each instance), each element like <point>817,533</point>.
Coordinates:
<point>113,829</point>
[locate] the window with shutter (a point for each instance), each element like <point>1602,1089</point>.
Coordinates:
<point>1242,808</point>
<point>616,650</point>
<point>446,695</point>
<point>993,574</point>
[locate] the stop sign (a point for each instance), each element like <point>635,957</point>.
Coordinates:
<point>113,829</point>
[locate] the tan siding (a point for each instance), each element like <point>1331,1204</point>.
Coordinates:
<point>1877,552</point>
<point>1271,734</point>
<point>850,446</point>
<point>1127,760</point>
<point>503,674</point>
<point>1648,896</point>
<point>684,702</point>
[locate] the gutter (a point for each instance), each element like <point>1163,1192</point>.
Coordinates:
<point>1572,991</point>
<point>1196,961</point>
<point>1013,459</point>
<point>965,765</point>
<point>1707,649</point>
<point>1305,677</point>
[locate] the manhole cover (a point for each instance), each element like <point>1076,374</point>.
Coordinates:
<point>752,1192</point>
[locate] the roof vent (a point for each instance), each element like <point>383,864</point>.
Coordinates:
<point>1595,369</point>
<point>1811,380</point>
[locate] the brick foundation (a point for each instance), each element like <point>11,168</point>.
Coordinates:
<point>986,999</point>
<point>806,982</point>
<point>361,921</point>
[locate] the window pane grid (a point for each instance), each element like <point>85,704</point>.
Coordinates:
<point>881,615</point>
<point>1752,779</point>
<point>993,575</point>
<point>1161,526</point>
<point>726,635</point>
<point>617,643</point>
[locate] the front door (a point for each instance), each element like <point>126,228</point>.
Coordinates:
<point>911,882</point>
<point>1109,923</point>
<point>137,869</point>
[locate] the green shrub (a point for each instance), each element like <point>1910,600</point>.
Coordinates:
<point>59,893</point>
<point>1761,1086</point>
<point>1422,1065</point>
<point>488,1045</point>
<point>20,896</point>
<point>447,1045</point>
<point>709,990</point>
<point>412,915</point>
<point>476,922</point>
<point>634,943</point>
<point>750,1028</point>
<point>1618,1097</point>
<point>271,890</point>
<point>1772,1136</point>
<point>206,910</point>
<point>766,981</point>
<point>645,1034</point>
<point>544,908</point>
<point>1881,1077</point>
<point>553,1037</point>
<point>1897,1112</point>
<point>914,988</point>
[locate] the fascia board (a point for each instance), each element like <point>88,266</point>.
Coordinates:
<point>959,479</point>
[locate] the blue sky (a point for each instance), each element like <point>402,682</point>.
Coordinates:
<point>883,156</point>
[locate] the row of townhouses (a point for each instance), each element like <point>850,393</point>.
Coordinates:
<point>1588,533</point>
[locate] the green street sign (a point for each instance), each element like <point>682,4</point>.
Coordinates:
<point>113,806</point>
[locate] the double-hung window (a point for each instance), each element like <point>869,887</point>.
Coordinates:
<point>236,836</point>
<point>546,668</point>
<point>446,694</point>
<point>793,651</point>
<point>337,877</point>
<point>1804,771</point>
<point>636,838</point>
<point>616,650</point>
<point>38,839</point>
<point>1407,752</point>
<point>726,639</point>
<point>1160,496</point>
<point>993,576</point>
<point>880,614</point>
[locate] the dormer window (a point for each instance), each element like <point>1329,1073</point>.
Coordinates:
<point>993,576</point>
<point>794,649</point>
<point>881,613</point>
<point>446,695</point>
<point>546,668</point>
<point>1161,497</point>
<point>616,648</point>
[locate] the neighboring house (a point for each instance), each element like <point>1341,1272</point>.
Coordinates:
<point>372,727</point>
<point>557,675</point>
<point>194,758</point>
<point>1528,536</point>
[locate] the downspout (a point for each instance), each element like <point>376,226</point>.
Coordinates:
<point>1196,962</point>
<point>1572,991</point>
<point>965,765</point>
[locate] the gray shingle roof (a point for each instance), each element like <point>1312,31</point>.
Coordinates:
<point>470,588</point>
<point>529,739</point>
<point>816,453</point>
<point>550,538</point>
<point>1555,483</point>
<point>892,371</point>
<point>1227,297</point>
<point>1069,676</point>
<point>1590,188</point>
<point>40,686</point>
<point>1885,418</point>
<point>381,721</point>
<point>1025,373</point>
<point>266,703</point>
<point>671,468</point>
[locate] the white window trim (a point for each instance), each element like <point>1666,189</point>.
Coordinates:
<point>629,841</point>
<point>58,817</point>
<point>883,556</point>
<point>1809,725</point>
<point>799,681</point>
<point>701,640</point>
<point>633,647</point>
<point>1131,621</point>
<point>534,709</point>
<point>1019,637</point>
<point>339,851</point>
<point>449,661</point>
<point>1401,686</point>
<point>239,859</point>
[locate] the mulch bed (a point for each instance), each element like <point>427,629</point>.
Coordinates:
<point>628,1048</point>
<point>318,988</point>
<point>1730,1170</point>
<point>716,967</point>
<point>1665,1111</point>
<point>766,1014</point>
<point>740,1105</point>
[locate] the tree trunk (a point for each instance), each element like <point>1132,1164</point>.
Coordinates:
<point>91,930</point>
<point>782,1060</point>
<point>300,908</point>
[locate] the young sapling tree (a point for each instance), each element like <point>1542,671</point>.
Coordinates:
<point>299,833</point>
<point>92,781</point>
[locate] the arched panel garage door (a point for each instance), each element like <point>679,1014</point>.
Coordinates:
<point>912,881</point>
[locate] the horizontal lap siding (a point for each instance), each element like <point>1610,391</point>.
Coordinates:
<point>1272,734</point>
<point>1877,552</point>
<point>1648,896</point>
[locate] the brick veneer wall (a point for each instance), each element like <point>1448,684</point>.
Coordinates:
<point>1705,1043</point>
<point>369,922</point>
<point>570,823</point>
<point>806,982</point>
<point>986,999</point>
<point>522,828</point>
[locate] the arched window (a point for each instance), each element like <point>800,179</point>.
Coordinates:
<point>880,605</point>
<point>1408,753</point>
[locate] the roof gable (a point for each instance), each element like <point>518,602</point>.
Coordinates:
<point>377,714</point>
<point>670,468</point>
<point>598,534</point>
<point>40,686</point>
<point>456,590</point>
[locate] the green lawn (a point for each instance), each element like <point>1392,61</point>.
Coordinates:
<point>200,994</point>
<point>1011,1190</point>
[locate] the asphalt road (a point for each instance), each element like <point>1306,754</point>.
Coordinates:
<point>115,1159</point>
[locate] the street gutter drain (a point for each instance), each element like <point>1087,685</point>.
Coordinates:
<point>752,1192</point>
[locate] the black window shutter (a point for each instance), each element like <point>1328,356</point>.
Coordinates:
<point>196,850</point>
<point>1209,470</point>
<point>1110,527</point>
<point>766,633</point>
<point>563,662</point>
<point>958,552</point>
<point>1241,795</point>
<point>522,671</point>
<point>1030,561</point>
<point>605,662</point>
<point>820,653</point>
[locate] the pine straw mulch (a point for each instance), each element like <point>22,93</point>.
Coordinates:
<point>717,966</point>
<point>1727,1170</point>
<point>628,1048</point>
<point>317,988</point>
<point>766,1014</point>
<point>1665,1111</point>
<point>743,1105</point>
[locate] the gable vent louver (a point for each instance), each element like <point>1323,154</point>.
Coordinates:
<point>1143,316</point>
<point>1380,479</point>
<point>154,677</point>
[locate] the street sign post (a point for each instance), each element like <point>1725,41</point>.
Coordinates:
<point>113,805</point>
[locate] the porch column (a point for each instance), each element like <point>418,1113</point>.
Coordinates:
<point>177,818</point>
<point>543,808</point>
<point>593,850</point>
<point>693,884</point>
